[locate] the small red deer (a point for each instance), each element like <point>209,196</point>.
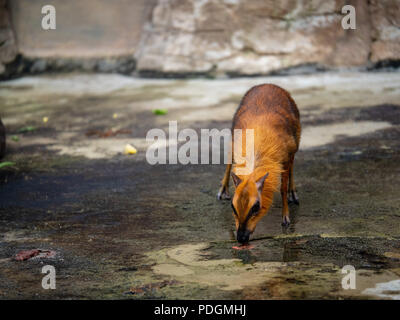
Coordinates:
<point>273,115</point>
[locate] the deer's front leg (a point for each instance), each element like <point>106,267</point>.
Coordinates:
<point>223,193</point>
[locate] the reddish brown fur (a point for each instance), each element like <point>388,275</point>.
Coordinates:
<point>273,114</point>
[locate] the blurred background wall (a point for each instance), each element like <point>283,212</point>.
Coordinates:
<point>88,28</point>
<point>181,37</point>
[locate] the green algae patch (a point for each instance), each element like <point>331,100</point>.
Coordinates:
<point>160,112</point>
<point>27,129</point>
<point>6,164</point>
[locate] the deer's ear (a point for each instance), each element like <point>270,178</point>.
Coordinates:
<point>236,179</point>
<point>260,182</point>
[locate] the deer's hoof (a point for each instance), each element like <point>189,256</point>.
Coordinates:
<point>223,194</point>
<point>285,221</point>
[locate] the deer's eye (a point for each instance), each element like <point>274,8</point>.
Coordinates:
<point>255,208</point>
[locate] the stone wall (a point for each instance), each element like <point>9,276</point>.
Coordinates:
<point>259,36</point>
<point>85,28</point>
<point>175,37</point>
<point>385,35</point>
<point>8,47</point>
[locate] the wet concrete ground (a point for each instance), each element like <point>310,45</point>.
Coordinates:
<point>124,229</point>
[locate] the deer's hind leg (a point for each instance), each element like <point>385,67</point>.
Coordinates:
<point>223,193</point>
<point>284,194</point>
<point>292,198</point>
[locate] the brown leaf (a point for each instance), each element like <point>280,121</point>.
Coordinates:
<point>26,254</point>
<point>34,253</point>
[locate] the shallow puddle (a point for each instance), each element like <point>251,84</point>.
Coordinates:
<point>304,267</point>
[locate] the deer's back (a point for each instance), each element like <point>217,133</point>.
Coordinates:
<point>271,107</point>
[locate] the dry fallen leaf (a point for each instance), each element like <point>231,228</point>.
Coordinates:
<point>34,253</point>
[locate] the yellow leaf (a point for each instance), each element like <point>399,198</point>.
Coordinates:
<point>129,149</point>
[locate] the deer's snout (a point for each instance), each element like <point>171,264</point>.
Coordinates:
<point>243,236</point>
